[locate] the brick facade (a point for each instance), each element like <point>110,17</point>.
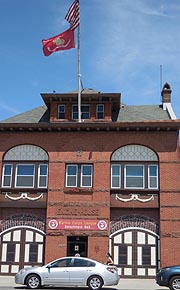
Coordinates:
<point>94,144</point>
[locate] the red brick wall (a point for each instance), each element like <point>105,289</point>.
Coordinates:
<point>97,147</point>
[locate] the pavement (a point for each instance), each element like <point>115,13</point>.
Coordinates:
<point>124,284</point>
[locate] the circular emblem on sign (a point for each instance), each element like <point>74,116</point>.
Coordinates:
<point>102,225</point>
<point>53,224</point>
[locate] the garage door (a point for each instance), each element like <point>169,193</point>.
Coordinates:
<point>20,247</point>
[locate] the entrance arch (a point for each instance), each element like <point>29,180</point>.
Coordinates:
<point>22,243</point>
<point>134,243</point>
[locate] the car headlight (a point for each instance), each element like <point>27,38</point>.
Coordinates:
<point>22,271</point>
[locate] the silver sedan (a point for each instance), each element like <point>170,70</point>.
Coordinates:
<point>69,271</point>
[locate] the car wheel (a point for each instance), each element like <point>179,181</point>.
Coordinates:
<point>33,281</point>
<point>174,283</point>
<point>95,282</point>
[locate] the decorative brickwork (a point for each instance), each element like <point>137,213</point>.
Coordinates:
<point>23,220</point>
<point>134,221</point>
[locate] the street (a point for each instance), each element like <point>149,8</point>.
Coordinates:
<point>7,283</point>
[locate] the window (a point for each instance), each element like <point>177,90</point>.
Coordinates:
<point>100,111</point>
<point>83,263</point>
<point>78,175</point>
<point>153,176</point>
<point>33,175</point>
<point>62,263</point>
<point>61,111</point>
<point>137,176</point>
<point>115,176</point>
<point>71,175</point>
<point>85,112</point>
<point>134,176</point>
<point>42,175</point>
<point>7,175</point>
<point>86,176</point>
<point>24,175</point>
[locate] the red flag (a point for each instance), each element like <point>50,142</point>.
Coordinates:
<point>62,41</point>
<point>73,15</point>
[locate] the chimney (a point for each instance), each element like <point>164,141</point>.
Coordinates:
<point>166,93</point>
<point>166,101</point>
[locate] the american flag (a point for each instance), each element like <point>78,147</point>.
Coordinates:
<point>73,15</point>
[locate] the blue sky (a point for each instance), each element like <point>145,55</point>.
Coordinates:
<point>123,45</point>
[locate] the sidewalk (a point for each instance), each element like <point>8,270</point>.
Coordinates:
<point>124,284</point>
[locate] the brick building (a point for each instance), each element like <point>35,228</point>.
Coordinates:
<point>108,183</point>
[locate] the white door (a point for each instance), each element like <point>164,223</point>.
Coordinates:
<point>135,252</point>
<point>20,247</point>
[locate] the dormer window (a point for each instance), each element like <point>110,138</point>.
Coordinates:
<point>100,111</point>
<point>61,111</point>
<point>85,112</point>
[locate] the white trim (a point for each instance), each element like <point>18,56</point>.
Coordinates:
<point>119,165</point>
<point>3,175</point>
<point>22,227</point>
<point>40,175</point>
<point>16,176</point>
<point>125,176</point>
<point>74,165</point>
<point>155,176</point>
<point>85,165</point>
<point>168,107</point>
<point>132,228</point>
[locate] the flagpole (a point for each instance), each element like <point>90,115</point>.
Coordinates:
<point>79,75</point>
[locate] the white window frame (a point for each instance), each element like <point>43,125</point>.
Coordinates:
<point>113,165</point>
<point>17,186</point>
<point>40,175</point>
<point>64,112</point>
<point>67,166</point>
<point>98,111</point>
<point>149,177</point>
<point>133,187</point>
<point>3,175</point>
<point>81,182</point>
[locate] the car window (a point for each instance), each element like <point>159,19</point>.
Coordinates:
<point>83,263</point>
<point>61,263</point>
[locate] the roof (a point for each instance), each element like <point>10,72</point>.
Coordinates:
<point>125,114</point>
<point>37,115</point>
<point>142,113</point>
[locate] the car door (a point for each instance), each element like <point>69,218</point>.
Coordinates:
<point>58,272</point>
<point>80,270</point>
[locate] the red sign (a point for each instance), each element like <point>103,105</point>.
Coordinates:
<point>85,225</point>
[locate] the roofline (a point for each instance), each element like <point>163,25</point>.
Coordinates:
<point>163,125</point>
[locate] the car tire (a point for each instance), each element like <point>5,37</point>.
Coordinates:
<point>95,282</point>
<point>33,281</point>
<point>174,283</point>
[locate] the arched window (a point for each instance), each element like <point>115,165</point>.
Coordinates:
<point>134,167</point>
<point>25,166</point>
